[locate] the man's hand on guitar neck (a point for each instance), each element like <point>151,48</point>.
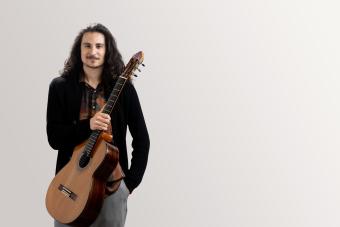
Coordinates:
<point>100,121</point>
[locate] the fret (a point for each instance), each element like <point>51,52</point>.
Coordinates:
<point>86,150</point>
<point>92,140</point>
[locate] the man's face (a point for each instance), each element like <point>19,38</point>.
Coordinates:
<point>93,49</point>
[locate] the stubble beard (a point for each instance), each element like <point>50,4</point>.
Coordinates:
<point>94,67</point>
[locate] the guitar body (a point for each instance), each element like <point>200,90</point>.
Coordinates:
<point>76,194</point>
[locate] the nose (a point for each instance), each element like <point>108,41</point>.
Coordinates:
<point>93,50</point>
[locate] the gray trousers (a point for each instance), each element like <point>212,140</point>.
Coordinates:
<point>113,212</point>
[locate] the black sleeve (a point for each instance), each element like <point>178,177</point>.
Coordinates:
<point>140,138</point>
<point>62,133</point>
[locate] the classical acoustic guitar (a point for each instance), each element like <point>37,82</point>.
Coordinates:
<point>76,194</point>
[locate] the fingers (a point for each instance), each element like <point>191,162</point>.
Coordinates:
<point>105,118</point>
<point>100,125</point>
<point>102,109</point>
<point>100,121</point>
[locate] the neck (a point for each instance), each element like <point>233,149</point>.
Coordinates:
<point>92,75</point>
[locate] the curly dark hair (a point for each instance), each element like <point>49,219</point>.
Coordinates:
<point>113,63</point>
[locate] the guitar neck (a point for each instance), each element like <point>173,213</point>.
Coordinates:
<point>114,95</point>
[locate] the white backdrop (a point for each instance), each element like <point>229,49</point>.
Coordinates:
<point>240,99</point>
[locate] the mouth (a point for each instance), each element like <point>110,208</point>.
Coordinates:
<point>92,58</point>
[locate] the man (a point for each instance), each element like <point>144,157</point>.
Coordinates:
<point>73,111</point>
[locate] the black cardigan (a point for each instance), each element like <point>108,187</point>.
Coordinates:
<point>65,130</point>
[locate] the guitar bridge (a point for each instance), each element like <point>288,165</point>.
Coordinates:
<point>67,192</point>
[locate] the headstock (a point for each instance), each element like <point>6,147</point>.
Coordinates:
<point>133,65</point>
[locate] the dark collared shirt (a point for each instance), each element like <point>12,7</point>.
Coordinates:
<point>92,100</point>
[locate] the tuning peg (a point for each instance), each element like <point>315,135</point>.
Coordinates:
<point>135,75</point>
<point>139,70</point>
<point>142,64</point>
